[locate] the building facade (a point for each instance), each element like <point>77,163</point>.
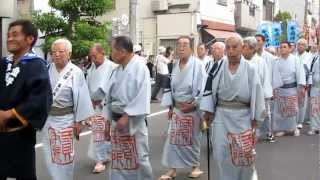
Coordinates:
<point>9,11</point>
<point>161,22</point>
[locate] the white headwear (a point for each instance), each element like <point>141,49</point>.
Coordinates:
<point>137,48</point>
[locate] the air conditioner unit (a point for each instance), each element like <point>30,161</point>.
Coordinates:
<point>159,5</point>
<point>179,2</point>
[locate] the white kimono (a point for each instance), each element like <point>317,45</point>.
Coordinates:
<point>182,146</point>
<point>261,67</point>
<point>306,59</point>
<point>314,81</point>
<point>269,59</point>
<point>129,91</point>
<point>57,134</point>
<point>237,100</point>
<point>97,78</point>
<point>287,79</point>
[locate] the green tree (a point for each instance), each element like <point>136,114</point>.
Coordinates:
<point>283,18</point>
<point>75,20</point>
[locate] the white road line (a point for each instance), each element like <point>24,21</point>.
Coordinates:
<point>39,145</point>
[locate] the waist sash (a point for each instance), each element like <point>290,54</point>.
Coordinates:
<point>233,104</point>
<point>55,111</point>
<point>290,85</point>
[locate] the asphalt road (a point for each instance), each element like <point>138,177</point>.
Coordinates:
<point>290,158</point>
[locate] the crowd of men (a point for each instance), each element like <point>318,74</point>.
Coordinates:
<point>238,91</point>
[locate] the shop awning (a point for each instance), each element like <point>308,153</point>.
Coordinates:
<point>220,34</point>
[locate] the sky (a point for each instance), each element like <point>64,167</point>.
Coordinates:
<point>42,5</point>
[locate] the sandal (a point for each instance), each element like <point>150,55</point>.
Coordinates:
<point>195,173</point>
<point>168,176</point>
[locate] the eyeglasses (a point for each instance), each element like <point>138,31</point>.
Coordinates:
<point>58,52</point>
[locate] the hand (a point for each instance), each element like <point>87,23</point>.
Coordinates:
<point>187,107</point>
<point>122,122</point>
<point>170,113</point>
<point>77,130</point>
<point>5,116</point>
<point>208,117</point>
<point>107,134</point>
<point>254,124</point>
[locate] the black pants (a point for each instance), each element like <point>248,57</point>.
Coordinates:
<point>17,155</point>
<point>160,83</point>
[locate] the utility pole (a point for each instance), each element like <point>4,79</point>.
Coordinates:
<point>306,12</point>
<point>306,27</point>
<point>133,5</point>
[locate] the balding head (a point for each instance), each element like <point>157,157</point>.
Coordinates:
<point>97,54</point>
<point>217,50</point>
<point>234,47</point>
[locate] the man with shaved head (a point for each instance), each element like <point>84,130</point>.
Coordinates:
<point>97,79</point>
<point>236,107</point>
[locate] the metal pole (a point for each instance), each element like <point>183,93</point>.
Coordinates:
<point>208,152</point>
<point>133,20</point>
<point>1,38</point>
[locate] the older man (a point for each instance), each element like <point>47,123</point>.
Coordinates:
<point>237,107</point>
<point>217,54</point>
<point>314,86</point>
<point>306,59</point>
<point>218,51</point>
<point>182,97</point>
<point>288,82</point>
<point>71,105</point>
<point>25,96</point>
<point>261,67</point>
<point>202,53</point>
<point>127,105</point>
<point>97,78</point>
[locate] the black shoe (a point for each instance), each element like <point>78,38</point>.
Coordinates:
<point>271,138</point>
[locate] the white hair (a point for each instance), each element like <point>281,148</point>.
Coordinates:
<point>303,41</point>
<point>250,41</point>
<point>219,44</point>
<point>236,37</point>
<point>64,41</point>
<point>161,50</point>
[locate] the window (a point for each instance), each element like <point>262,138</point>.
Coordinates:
<point>252,11</point>
<point>222,2</point>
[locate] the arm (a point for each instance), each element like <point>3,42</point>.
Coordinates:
<point>34,110</point>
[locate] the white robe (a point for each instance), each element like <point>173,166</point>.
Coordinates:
<point>97,78</point>
<point>244,86</point>
<point>306,59</point>
<point>129,91</point>
<point>57,134</point>
<point>269,59</point>
<point>182,146</point>
<point>261,67</point>
<point>263,71</point>
<point>315,95</point>
<point>285,110</point>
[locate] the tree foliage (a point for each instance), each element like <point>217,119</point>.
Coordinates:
<point>283,18</point>
<point>75,20</point>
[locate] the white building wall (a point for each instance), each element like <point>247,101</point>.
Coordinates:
<point>210,10</point>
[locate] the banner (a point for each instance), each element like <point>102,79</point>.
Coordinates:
<point>265,30</point>
<point>292,31</point>
<point>276,34</point>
